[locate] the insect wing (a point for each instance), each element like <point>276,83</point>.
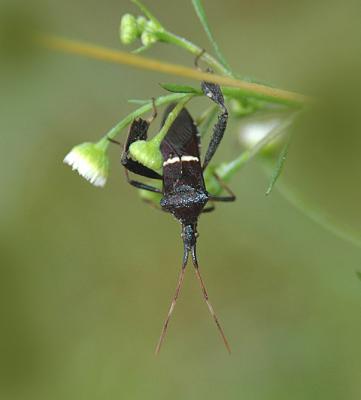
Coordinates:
<point>138,131</point>
<point>182,138</point>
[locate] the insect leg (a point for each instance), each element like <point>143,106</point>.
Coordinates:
<point>214,92</point>
<point>154,113</point>
<point>231,197</point>
<point>209,208</point>
<point>114,141</point>
<point>153,205</point>
<point>176,295</point>
<point>140,185</point>
<point>206,298</point>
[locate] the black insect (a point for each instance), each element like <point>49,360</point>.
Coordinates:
<point>184,193</point>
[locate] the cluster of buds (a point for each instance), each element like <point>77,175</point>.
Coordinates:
<point>133,28</point>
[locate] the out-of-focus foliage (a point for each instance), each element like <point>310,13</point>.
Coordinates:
<point>87,274</point>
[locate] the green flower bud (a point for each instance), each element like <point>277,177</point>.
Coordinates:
<point>147,153</point>
<point>148,38</point>
<point>142,23</point>
<point>128,29</point>
<point>152,27</point>
<point>91,161</point>
<point>252,132</point>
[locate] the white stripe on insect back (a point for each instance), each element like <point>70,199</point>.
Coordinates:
<point>190,158</point>
<point>177,159</point>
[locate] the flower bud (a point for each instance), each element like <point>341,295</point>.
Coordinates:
<point>128,29</point>
<point>142,23</point>
<point>148,38</point>
<point>254,130</point>
<point>91,161</point>
<point>147,153</point>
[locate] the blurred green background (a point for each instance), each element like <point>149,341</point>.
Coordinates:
<point>87,274</point>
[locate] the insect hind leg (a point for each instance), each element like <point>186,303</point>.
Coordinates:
<point>174,301</point>
<point>141,185</point>
<point>231,196</point>
<point>206,299</point>
<point>213,91</point>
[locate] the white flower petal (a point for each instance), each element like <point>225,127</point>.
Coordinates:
<point>254,132</point>
<point>86,167</point>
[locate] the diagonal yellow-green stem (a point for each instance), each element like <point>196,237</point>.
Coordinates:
<point>102,53</point>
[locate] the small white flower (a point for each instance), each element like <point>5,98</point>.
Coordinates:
<point>91,161</point>
<point>254,132</point>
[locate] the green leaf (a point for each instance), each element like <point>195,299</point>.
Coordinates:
<point>358,273</point>
<point>197,4</point>
<point>174,88</point>
<point>279,166</point>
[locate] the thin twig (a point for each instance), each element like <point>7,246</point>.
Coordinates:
<point>137,61</point>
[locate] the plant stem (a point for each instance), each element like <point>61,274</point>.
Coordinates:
<point>317,215</point>
<point>172,38</point>
<point>244,88</point>
<point>226,170</point>
<point>170,119</point>
<point>174,97</point>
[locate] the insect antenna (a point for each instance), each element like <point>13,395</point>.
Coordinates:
<point>206,298</point>
<point>175,297</point>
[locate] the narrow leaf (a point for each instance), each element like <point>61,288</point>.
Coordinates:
<point>279,166</point>
<point>138,101</point>
<point>140,49</point>
<point>147,13</point>
<point>197,4</point>
<point>174,88</point>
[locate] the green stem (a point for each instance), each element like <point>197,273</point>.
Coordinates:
<point>226,170</point>
<point>241,94</point>
<point>102,53</point>
<point>170,119</point>
<point>172,38</point>
<point>174,97</point>
<point>217,66</point>
<point>317,215</point>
